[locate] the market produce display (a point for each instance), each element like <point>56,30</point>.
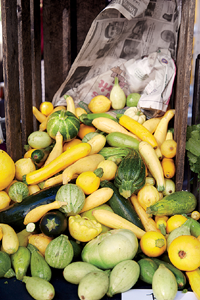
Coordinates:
<point>94,196</point>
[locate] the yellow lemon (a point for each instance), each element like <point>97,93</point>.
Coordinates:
<point>7,170</point>
<point>23,166</point>
<point>4,200</point>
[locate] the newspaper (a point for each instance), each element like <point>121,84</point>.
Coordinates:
<point>121,37</point>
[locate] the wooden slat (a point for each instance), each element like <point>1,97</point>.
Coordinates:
<point>11,78</point>
<point>57,59</point>
<point>87,11</point>
<point>25,69</point>
<point>184,58</point>
<point>36,56</point>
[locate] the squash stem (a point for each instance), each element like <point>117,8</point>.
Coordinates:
<point>159,243</point>
<point>10,273</point>
<point>116,81</point>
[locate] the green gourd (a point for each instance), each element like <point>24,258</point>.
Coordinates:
<point>65,122</point>
<point>74,197</point>
<point>75,271</point>
<point>184,229</point>
<point>5,265</point>
<point>164,284</point>
<point>59,252</point>
<point>180,276</point>
<point>20,261</point>
<point>131,174</point>
<point>93,285</point>
<point>18,191</point>
<point>123,277</point>
<point>117,96</point>
<point>39,288</point>
<point>38,265</point>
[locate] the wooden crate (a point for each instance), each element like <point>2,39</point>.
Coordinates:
<point>66,24</point>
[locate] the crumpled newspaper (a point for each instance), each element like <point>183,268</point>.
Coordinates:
<point>153,77</point>
<point>135,41</point>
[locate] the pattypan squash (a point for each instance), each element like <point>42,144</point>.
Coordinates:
<point>135,114</point>
<point>83,229</point>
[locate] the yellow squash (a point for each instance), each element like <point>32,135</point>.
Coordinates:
<point>10,241</point>
<point>88,163</point>
<point>97,198</point>
<point>38,212</point>
<point>57,149</point>
<point>168,166</point>
<point>162,128</point>
<point>148,223</point>
<point>70,104</point>
<point>60,163</point>
<point>153,164</point>
<point>108,126</point>
<point>194,281</point>
<point>138,129</point>
<point>39,116</point>
<point>114,221</point>
<point>97,143</point>
<point>151,124</point>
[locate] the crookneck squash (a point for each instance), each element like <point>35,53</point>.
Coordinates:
<point>130,175</point>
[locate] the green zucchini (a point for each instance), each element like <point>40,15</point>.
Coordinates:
<point>147,269</point>
<point>121,206</point>
<point>182,202</point>
<point>117,139</point>
<point>88,118</point>
<point>180,277</point>
<point>15,213</point>
<point>114,153</point>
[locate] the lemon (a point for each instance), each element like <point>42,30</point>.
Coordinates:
<point>4,200</point>
<point>7,170</point>
<point>23,166</point>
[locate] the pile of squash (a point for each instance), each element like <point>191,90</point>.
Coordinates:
<point>90,172</point>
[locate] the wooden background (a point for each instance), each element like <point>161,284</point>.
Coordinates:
<point>65,25</point>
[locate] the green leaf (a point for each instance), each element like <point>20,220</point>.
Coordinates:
<point>193,146</point>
